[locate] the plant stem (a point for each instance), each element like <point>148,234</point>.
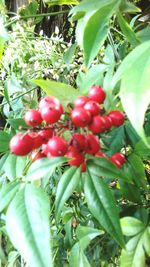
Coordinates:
<point>44,14</point>
<point>5,103</point>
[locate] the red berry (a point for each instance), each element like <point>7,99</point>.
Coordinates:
<point>36,139</point>
<point>93,107</point>
<point>117,117</point>
<point>50,114</point>
<point>116,162</point>
<point>45,150</point>
<point>78,158</point>
<point>35,155</point>
<point>97,94</point>
<point>119,157</point>
<point>79,141</point>
<point>57,146</point>
<point>33,118</point>
<point>108,122</point>
<point>101,154</point>
<point>81,101</point>
<point>83,167</point>
<point>93,144</point>
<point>97,125</point>
<point>21,144</point>
<point>46,134</point>
<point>80,117</point>
<point>48,101</point>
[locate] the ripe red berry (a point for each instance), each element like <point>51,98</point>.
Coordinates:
<point>21,144</point>
<point>93,107</point>
<point>57,146</point>
<point>78,141</point>
<point>36,140</point>
<point>33,118</point>
<point>116,162</point>
<point>117,117</point>
<point>81,101</point>
<point>97,125</point>
<point>35,155</point>
<point>50,114</point>
<point>45,150</point>
<point>93,145</point>
<point>97,94</point>
<point>101,154</point>
<point>83,167</point>
<point>119,157</point>
<point>46,134</point>
<point>48,101</point>
<point>80,117</point>
<point>78,158</point>
<point>108,122</point>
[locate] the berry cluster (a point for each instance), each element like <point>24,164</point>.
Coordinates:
<point>45,138</point>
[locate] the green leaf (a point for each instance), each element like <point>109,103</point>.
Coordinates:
<point>68,56</point>
<point>144,34</point>
<point>127,31</point>
<point>27,224</point>
<point>61,2</point>
<point>14,166</point>
<point>86,234</point>
<point>142,150</point>
<point>131,226</point>
<point>4,141</point>
<point>135,85</point>
<point>65,188</point>
<point>130,191</point>
<point>77,257</point>
<point>115,140</point>
<point>132,136</point>
<point>96,29</point>
<point>94,75</point>
<point>2,45</point>
<point>16,123</point>
<point>134,255</point>
<point>64,92</point>
<point>102,205</point>
<point>43,167</point>
<point>3,33</point>
<point>128,7</point>
<point>7,193</point>
<point>102,167</point>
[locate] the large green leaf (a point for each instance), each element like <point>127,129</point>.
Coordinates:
<point>134,255</point>
<point>135,85</point>
<point>102,205</point>
<point>14,166</point>
<point>43,167</point>
<point>27,224</point>
<point>96,29</point>
<point>7,193</point>
<point>66,186</point>
<point>102,167</point>
<point>131,226</point>
<point>64,92</point>
<point>4,141</point>
<point>127,31</point>
<point>142,150</point>
<point>77,257</point>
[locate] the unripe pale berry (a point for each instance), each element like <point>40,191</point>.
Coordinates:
<point>78,158</point>
<point>117,117</point>
<point>57,146</point>
<point>97,94</point>
<point>33,118</point>
<point>97,125</point>
<point>21,144</point>
<point>80,117</point>
<point>93,145</point>
<point>81,101</point>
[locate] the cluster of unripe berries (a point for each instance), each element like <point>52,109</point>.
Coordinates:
<point>44,138</point>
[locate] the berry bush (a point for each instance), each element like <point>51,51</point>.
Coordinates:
<point>75,137</point>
